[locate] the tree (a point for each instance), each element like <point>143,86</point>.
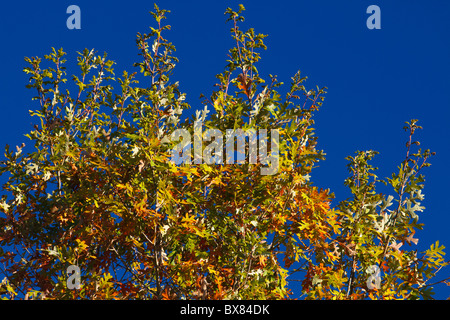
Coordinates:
<point>101,192</point>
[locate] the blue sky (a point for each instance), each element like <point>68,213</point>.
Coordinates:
<point>376,79</point>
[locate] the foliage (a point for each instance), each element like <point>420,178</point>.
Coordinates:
<point>100,192</point>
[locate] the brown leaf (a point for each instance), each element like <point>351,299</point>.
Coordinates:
<point>410,239</point>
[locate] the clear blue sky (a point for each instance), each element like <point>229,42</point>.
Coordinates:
<point>377,79</point>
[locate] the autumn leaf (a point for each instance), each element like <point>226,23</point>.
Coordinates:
<point>245,84</point>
